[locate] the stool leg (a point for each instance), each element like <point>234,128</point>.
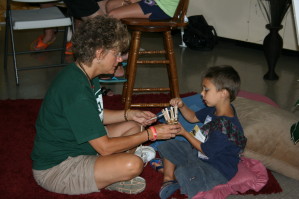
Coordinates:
<point>131,69</point>
<point>171,68</point>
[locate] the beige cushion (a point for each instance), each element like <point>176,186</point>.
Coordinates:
<point>267,129</point>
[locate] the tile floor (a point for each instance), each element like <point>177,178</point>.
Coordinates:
<point>248,61</point>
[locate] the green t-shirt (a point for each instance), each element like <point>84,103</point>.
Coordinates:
<point>71,115</point>
<point>168,6</point>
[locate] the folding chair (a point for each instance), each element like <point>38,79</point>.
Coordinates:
<point>33,19</point>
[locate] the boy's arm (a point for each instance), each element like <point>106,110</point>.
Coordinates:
<point>188,114</point>
<point>193,141</point>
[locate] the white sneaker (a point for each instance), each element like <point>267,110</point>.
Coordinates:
<point>133,186</point>
<point>146,153</point>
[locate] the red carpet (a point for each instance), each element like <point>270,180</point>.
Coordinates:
<point>17,132</point>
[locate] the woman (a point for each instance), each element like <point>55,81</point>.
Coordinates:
<point>80,147</point>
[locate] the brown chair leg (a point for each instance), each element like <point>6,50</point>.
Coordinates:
<point>131,69</point>
<point>171,68</point>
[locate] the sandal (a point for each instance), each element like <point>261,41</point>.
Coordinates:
<point>157,161</point>
<point>68,48</point>
<point>168,188</point>
<point>38,44</point>
<point>107,92</point>
<point>113,80</point>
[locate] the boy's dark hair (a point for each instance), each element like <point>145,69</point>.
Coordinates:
<point>224,77</point>
<point>100,32</point>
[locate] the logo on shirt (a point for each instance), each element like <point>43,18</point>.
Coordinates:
<point>99,99</point>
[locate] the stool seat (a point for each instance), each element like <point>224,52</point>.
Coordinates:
<point>139,26</point>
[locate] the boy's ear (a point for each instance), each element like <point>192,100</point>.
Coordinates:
<point>225,93</point>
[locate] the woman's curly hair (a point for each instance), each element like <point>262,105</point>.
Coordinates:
<point>100,32</point>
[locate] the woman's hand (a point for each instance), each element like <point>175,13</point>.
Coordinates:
<point>177,102</point>
<point>142,117</point>
<point>166,131</point>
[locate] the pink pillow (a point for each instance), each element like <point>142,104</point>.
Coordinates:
<point>251,175</point>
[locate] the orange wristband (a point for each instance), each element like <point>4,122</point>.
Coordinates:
<point>155,134</point>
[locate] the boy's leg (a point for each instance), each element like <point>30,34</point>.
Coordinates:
<point>169,168</point>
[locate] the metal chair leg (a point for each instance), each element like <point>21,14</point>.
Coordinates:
<point>7,26</point>
<point>13,49</point>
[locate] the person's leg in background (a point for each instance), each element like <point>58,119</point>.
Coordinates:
<point>82,10</point>
<point>49,36</point>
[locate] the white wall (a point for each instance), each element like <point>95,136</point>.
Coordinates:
<point>242,20</point>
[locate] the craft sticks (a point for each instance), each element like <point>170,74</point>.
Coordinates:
<point>171,115</point>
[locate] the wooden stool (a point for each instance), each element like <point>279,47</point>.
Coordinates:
<point>138,26</point>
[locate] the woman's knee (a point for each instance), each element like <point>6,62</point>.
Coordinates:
<point>134,166</point>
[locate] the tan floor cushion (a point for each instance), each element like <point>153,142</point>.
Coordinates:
<point>267,129</point>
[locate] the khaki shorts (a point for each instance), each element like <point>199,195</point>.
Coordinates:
<point>75,175</point>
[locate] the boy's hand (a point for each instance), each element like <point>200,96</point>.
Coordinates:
<point>177,102</point>
<point>182,130</point>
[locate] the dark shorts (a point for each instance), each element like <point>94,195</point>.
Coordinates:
<point>192,174</point>
<point>150,6</point>
<point>82,8</point>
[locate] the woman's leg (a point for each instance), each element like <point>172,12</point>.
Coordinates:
<point>122,166</point>
<point>128,11</point>
<point>113,4</point>
<point>116,168</point>
<point>123,129</point>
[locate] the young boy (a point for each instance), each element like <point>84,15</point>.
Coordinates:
<point>211,156</point>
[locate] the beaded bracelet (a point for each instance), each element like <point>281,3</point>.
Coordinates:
<point>147,135</point>
<point>155,134</point>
